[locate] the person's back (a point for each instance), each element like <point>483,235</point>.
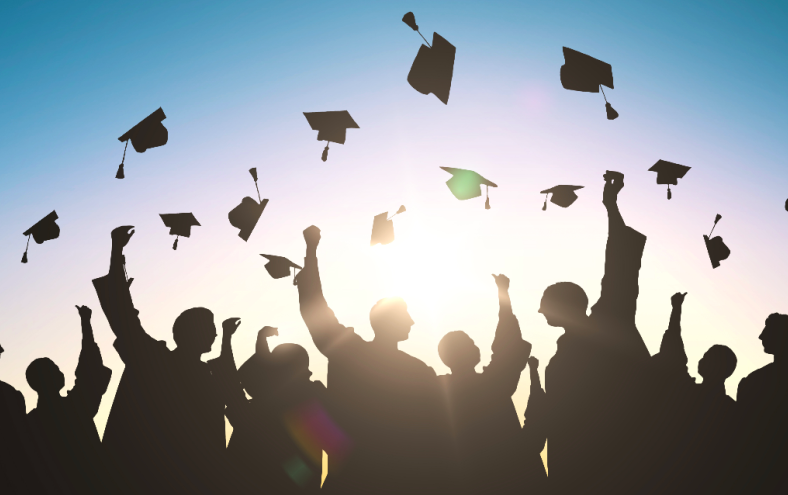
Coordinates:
<point>763,401</point>
<point>166,431</point>
<point>487,454</point>
<point>277,444</point>
<point>386,401</point>
<point>68,449</point>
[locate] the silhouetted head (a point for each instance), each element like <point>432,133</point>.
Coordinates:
<point>45,377</point>
<point>458,352</point>
<point>194,330</point>
<point>717,364</point>
<point>1,350</point>
<point>564,304</point>
<point>290,363</point>
<point>390,319</point>
<point>775,335</point>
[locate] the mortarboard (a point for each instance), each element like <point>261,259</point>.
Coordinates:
<point>149,133</point>
<point>581,72</point>
<point>563,196</point>
<point>669,173</point>
<point>245,215</point>
<point>467,184</point>
<point>279,266</point>
<point>330,126</point>
<point>180,225</point>
<point>717,249</point>
<point>44,230</point>
<point>383,228</point>
<point>433,68</point>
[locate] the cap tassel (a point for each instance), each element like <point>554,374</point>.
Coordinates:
<point>175,244</point>
<point>487,203</point>
<point>544,207</point>
<point>410,20</point>
<point>611,112</point>
<point>295,276</point>
<point>120,174</point>
<point>325,153</point>
<point>716,219</point>
<point>670,195</point>
<point>24,256</point>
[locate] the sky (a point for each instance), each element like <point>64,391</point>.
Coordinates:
<point>697,83</point>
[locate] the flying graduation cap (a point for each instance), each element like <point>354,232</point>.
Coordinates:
<point>279,266</point>
<point>44,230</point>
<point>669,173</point>
<point>583,73</point>
<point>180,225</point>
<point>717,249</point>
<point>467,184</point>
<point>149,133</point>
<point>330,127</point>
<point>383,228</point>
<point>433,68</point>
<point>563,196</point>
<point>245,215</point>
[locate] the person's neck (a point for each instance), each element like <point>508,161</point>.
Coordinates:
<point>714,386</point>
<point>47,399</point>
<point>781,361</point>
<point>188,354</point>
<point>577,327</point>
<point>388,344</point>
<point>463,372</point>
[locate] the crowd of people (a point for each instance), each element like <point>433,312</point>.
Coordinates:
<point>615,419</point>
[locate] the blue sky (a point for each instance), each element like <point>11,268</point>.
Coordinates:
<point>698,83</point>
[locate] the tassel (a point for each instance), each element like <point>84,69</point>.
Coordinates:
<point>544,207</point>
<point>24,256</point>
<point>175,244</point>
<point>325,153</point>
<point>611,113</point>
<point>670,194</point>
<point>295,277</point>
<point>120,174</point>
<point>487,203</point>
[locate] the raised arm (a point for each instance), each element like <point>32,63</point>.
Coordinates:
<point>536,413</point>
<point>92,377</point>
<point>614,182</point>
<point>510,351</point>
<point>224,367</point>
<point>324,327</point>
<point>671,358</point>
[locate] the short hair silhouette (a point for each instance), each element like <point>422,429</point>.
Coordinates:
<point>775,334</point>
<point>43,375</point>
<point>719,362</point>
<point>291,361</point>
<point>389,317</point>
<point>564,298</point>
<point>457,350</point>
<point>189,325</point>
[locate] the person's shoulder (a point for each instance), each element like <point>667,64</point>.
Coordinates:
<point>759,375</point>
<point>8,389</point>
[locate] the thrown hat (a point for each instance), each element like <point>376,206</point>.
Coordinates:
<point>581,72</point>
<point>467,184</point>
<point>563,196</point>
<point>433,67</point>
<point>149,133</point>
<point>331,126</point>
<point>669,173</point>
<point>44,230</point>
<point>383,228</point>
<point>180,225</point>
<point>245,215</point>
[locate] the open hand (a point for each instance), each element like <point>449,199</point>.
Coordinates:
<point>121,235</point>
<point>230,325</point>
<point>677,299</point>
<point>84,312</point>
<point>502,281</point>
<point>312,236</point>
<point>267,332</point>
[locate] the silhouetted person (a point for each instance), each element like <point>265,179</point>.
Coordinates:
<point>695,426</point>
<point>166,430</point>
<point>592,380</point>
<point>68,447</point>
<point>16,469</point>
<point>763,400</point>
<point>485,430</point>
<point>534,433</point>
<point>271,446</point>
<point>387,402</point>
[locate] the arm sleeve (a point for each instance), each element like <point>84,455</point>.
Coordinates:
<point>226,372</point>
<point>327,333</point>
<point>671,359</point>
<point>510,354</point>
<point>536,414</point>
<point>92,379</point>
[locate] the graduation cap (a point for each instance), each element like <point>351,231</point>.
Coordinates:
<point>433,68</point>
<point>180,225</point>
<point>669,173</point>
<point>583,73</point>
<point>149,133</point>
<point>44,230</point>
<point>563,196</point>
<point>717,249</point>
<point>279,266</point>
<point>467,184</point>
<point>330,127</point>
<point>245,215</point>
<point>383,228</point>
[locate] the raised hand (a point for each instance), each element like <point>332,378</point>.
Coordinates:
<point>533,362</point>
<point>312,236</point>
<point>230,325</point>
<point>502,281</point>
<point>84,312</point>
<point>677,299</point>
<point>267,332</point>
<point>614,182</point>
<point>121,236</point>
